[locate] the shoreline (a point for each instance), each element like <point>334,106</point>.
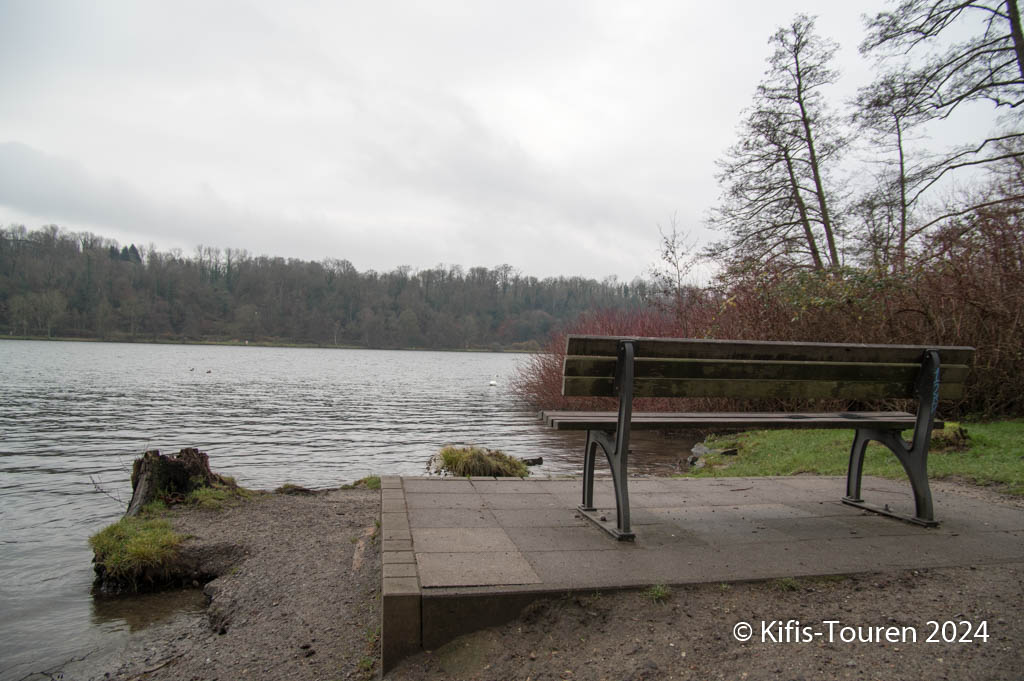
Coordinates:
<point>301,601</point>
<point>260,344</point>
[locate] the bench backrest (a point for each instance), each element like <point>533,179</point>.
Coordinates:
<point>684,367</point>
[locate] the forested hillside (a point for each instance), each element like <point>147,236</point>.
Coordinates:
<point>58,283</point>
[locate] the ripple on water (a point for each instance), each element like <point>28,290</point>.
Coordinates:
<point>74,415</point>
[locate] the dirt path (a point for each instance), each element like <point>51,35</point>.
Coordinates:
<point>628,636</point>
<point>298,600</point>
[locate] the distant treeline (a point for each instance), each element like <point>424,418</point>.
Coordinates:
<point>58,283</point>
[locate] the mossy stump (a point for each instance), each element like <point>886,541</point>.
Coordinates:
<point>142,552</point>
<point>156,475</point>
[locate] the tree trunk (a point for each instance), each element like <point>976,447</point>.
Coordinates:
<point>1016,33</point>
<point>804,220</point>
<point>157,475</point>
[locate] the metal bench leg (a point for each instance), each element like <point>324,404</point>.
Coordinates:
<point>856,469</point>
<point>617,457</point>
<point>616,450</point>
<point>914,459</point>
<point>589,458</point>
<point>913,456</point>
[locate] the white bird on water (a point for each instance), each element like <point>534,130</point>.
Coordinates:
<point>494,381</point>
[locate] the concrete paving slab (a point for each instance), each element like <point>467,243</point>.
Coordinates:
<point>398,520</point>
<point>561,486</point>
<point>433,485</point>
<point>833,507</point>
<point>398,557</point>
<point>451,517</point>
<point>396,545</point>
<point>556,538</point>
<point>650,486</point>
<point>392,505</point>
<point>400,570</point>
<point>867,524</point>
<point>506,486</point>
<point>461,539</point>
<point>455,500</point>
<point>483,548</point>
<point>543,517</point>
<point>810,528</point>
<point>522,501</point>
<point>474,569</point>
<point>668,535</point>
<point>396,533</point>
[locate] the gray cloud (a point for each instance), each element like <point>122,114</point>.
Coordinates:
<point>553,136</point>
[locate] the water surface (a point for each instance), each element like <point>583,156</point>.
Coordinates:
<point>73,416</point>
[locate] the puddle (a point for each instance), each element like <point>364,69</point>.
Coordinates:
<point>132,613</point>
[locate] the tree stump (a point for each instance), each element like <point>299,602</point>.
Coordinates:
<point>155,475</point>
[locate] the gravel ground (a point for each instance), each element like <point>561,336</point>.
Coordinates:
<point>298,600</point>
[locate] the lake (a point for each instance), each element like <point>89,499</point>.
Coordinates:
<point>73,416</point>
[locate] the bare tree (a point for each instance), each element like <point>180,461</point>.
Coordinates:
<point>989,66</point>
<point>887,112</point>
<point>777,206</point>
<point>943,76</point>
<point>678,256</point>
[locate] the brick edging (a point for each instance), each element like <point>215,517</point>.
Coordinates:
<point>400,613</point>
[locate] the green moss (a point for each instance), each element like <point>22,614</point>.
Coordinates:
<point>466,461</point>
<point>982,453</point>
<point>136,549</point>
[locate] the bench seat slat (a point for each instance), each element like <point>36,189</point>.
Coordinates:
<point>587,386</point>
<point>659,420</point>
<point>766,350</point>
<point>604,367</point>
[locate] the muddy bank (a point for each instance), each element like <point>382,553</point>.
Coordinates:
<point>299,600</point>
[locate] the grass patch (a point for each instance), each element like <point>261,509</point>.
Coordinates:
<point>659,593</point>
<point>786,584</point>
<point>153,509</point>
<point>134,550</point>
<point>218,497</point>
<point>369,482</point>
<point>467,461</point>
<point>991,454</point>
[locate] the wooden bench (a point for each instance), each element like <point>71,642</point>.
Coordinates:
<point>601,366</point>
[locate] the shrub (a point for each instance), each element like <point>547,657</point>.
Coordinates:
<point>965,287</point>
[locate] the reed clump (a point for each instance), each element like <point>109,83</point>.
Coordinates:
<point>480,461</point>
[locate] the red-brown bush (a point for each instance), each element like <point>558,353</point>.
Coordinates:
<point>965,288</point>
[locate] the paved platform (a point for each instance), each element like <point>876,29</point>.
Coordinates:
<point>462,554</point>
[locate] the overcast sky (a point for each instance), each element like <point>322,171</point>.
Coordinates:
<point>554,136</point>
